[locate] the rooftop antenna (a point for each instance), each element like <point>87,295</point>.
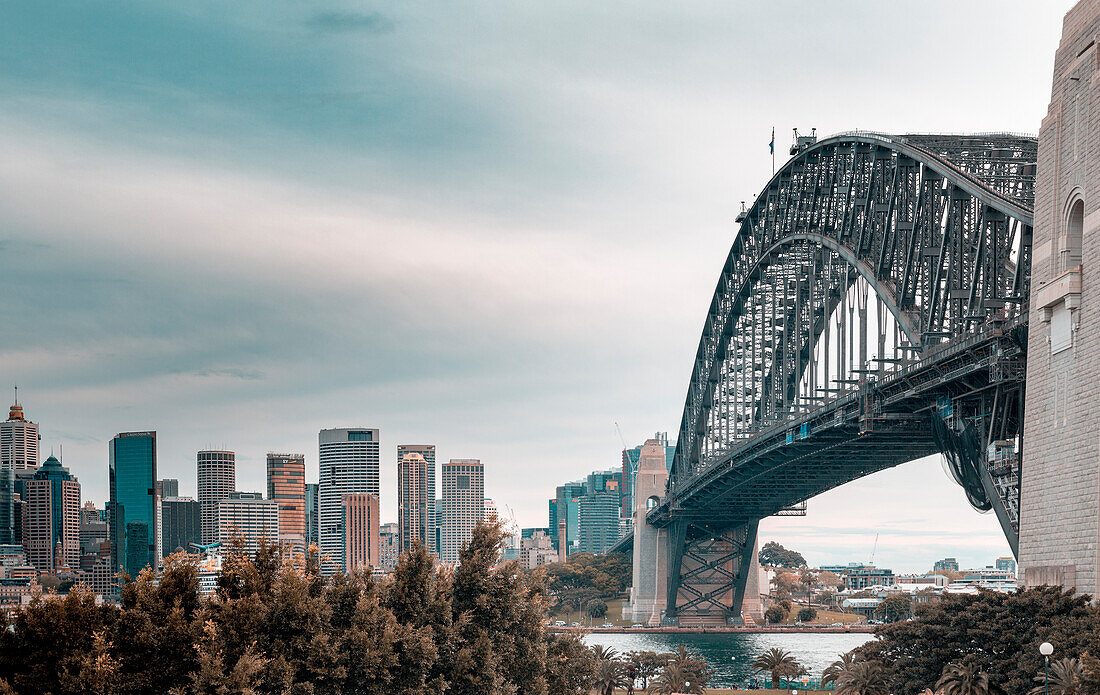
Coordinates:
<point>17,394</point>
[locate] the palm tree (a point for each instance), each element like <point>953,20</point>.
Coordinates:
<point>964,679</point>
<point>778,662</point>
<point>604,653</point>
<point>838,667</point>
<point>1065,678</point>
<point>610,674</point>
<point>863,678</point>
<point>676,679</point>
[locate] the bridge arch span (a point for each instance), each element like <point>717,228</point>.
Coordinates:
<point>872,309</point>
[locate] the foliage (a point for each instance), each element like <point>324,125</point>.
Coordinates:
<point>674,679</point>
<point>807,615</point>
<point>862,678</point>
<point>1065,677</point>
<point>775,614</point>
<point>779,663</point>
<point>896,607</point>
<point>964,678</point>
<point>784,584</point>
<point>596,608</point>
<point>610,674</point>
<point>646,665</point>
<point>998,633</point>
<point>835,670</point>
<point>775,555</point>
<point>274,625</point>
<point>604,576</point>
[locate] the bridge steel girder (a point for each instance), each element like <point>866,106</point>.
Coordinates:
<point>793,392</point>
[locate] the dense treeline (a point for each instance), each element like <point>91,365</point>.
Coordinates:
<point>274,626</point>
<point>995,636</point>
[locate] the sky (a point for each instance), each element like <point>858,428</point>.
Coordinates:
<point>491,226</point>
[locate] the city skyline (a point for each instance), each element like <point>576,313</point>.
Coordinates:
<point>545,254</point>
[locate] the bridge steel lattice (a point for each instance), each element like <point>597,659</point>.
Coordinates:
<point>872,310</point>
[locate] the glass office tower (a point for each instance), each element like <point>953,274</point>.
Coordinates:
<point>132,511</point>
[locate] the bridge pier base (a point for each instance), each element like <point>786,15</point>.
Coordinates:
<point>713,576</point>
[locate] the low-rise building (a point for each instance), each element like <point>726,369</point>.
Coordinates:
<point>537,550</point>
<point>864,577</point>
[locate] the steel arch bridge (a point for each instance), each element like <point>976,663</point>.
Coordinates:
<point>872,310</point>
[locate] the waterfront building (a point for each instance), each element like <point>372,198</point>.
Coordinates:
<point>132,510</point>
<point>463,505</point>
<point>51,526</point>
<point>415,514</point>
<point>427,487</point>
<point>858,579</point>
<point>181,524</point>
<point>387,548</point>
<point>313,523</point>
<point>18,440</point>
<point>349,464</point>
<point>250,516</point>
<point>286,485</point>
<point>948,564</point>
<point>359,513</point>
<point>217,477</point>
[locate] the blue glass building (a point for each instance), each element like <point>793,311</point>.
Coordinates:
<point>132,511</point>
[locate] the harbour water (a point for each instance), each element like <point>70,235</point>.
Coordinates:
<point>731,654</point>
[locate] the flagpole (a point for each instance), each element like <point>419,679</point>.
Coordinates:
<point>773,150</point>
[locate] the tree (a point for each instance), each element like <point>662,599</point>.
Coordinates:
<point>1066,677</point>
<point>807,615</point>
<point>896,607</point>
<point>571,666</point>
<point>775,614</point>
<point>835,670</point>
<point>673,679</point>
<point>784,584</point>
<point>646,665</point>
<point>862,678</point>
<point>777,662</point>
<point>694,668</point>
<point>775,555</point>
<point>610,674</point>
<point>596,608</point>
<point>964,678</point>
<point>1000,632</point>
<point>808,580</point>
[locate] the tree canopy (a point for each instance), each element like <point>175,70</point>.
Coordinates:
<point>775,555</point>
<point>275,625</point>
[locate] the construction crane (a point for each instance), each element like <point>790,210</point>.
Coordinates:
<point>873,549</point>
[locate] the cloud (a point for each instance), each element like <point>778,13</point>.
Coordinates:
<point>343,21</point>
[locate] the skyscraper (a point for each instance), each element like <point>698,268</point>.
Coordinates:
<point>249,515</point>
<point>51,525</point>
<point>463,505</point>
<point>181,524</point>
<point>415,516</point>
<point>387,547</point>
<point>428,452</point>
<point>568,508</point>
<point>18,440</point>
<point>132,511</point>
<point>348,460</point>
<point>359,514</point>
<point>286,485</point>
<point>169,487</point>
<point>217,477</point>
<point>312,520</point>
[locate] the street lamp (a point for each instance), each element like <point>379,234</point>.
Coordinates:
<point>1046,649</point>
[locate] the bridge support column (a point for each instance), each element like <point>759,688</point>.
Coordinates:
<point>712,574</point>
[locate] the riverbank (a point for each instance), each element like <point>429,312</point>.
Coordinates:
<point>751,629</point>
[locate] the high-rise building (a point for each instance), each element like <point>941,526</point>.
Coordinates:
<point>1007,564</point>
<point>569,507</point>
<point>552,521</point>
<point>463,505</point>
<point>438,524</point>
<point>217,477</point>
<point>18,440</point>
<point>13,494</point>
<point>286,485</point>
<point>598,520</point>
<point>132,511</point>
<point>93,531</point>
<point>249,516</point>
<point>415,502</point>
<point>536,549</point>
<point>387,548</point>
<point>948,564</point>
<point>427,451</point>
<point>169,487</point>
<point>359,514</point>
<point>348,460</point>
<point>312,520</point>
<point>181,524</point>
<point>51,527</point>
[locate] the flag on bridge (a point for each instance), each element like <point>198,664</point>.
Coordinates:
<point>771,145</point>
